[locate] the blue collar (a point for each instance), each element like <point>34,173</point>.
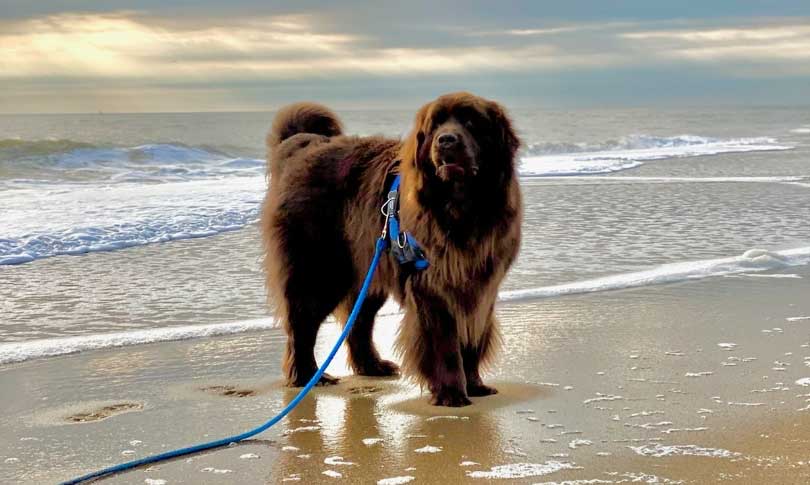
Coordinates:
<point>403,245</point>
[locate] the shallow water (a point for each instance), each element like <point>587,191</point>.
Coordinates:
<point>575,229</point>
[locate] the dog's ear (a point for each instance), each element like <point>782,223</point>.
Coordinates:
<point>412,149</point>
<point>505,137</point>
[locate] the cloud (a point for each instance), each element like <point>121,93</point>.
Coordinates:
<point>242,58</point>
<point>127,45</point>
<point>765,44</point>
<point>552,30</point>
<point>123,45</point>
<point>119,45</point>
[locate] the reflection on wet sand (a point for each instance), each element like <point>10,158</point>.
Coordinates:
<point>367,430</point>
<point>693,383</point>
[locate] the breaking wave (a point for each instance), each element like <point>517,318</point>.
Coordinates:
<point>555,159</point>
<point>69,160</point>
<point>69,197</point>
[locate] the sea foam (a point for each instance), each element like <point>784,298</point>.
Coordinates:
<point>72,197</point>
<point>631,152</point>
<point>752,260</point>
<point>32,349</point>
<point>150,163</point>
<point>658,451</point>
<point>521,470</point>
<point>64,219</point>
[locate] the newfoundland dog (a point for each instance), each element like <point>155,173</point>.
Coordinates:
<point>459,199</point>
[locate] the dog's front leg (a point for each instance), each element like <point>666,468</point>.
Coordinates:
<point>434,352</point>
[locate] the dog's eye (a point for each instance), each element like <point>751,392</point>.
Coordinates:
<point>438,118</point>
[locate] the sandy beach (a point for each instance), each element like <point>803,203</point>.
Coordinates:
<point>686,383</point>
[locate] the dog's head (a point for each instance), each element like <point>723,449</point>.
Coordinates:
<point>460,138</point>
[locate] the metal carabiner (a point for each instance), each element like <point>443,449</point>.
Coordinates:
<point>386,210</point>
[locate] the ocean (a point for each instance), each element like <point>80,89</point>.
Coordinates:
<point>118,229</point>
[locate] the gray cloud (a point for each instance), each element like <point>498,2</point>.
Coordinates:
<point>250,55</point>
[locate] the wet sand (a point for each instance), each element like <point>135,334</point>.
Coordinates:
<point>693,382</point>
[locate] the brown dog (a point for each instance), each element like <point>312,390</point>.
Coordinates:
<point>459,198</point>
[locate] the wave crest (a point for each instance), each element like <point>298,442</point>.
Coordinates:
<point>555,159</point>
<point>754,260</point>
<point>157,162</point>
<point>638,142</point>
<point>160,162</point>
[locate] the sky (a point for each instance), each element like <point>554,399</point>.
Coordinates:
<point>246,55</point>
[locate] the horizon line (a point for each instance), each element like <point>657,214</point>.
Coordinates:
<point>378,108</point>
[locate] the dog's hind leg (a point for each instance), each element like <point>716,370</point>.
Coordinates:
<point>304,320</point>
<point>363,355</point>
<point>317,281</point>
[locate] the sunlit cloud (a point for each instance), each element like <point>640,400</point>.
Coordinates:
<point>726,35</point>
<point>123,46</point>
<point>754,44</point>
<point>550,31</point>
<point>116,45</point>
<point>555,30</point>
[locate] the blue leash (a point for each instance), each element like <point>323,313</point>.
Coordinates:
<point>380,247</point>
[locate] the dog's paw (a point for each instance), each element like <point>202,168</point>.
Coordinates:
<point>478,390</point>
<point>325,380</point>
<point>450,397</point>
<point>379,368</point>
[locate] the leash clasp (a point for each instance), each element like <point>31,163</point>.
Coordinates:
<point>388,209</point>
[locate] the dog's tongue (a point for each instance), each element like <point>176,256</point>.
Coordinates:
<point>450,170</point>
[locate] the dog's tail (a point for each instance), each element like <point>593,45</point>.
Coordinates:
<point>303,118</point>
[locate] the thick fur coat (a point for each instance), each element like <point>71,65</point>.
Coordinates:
<point>459,198</point>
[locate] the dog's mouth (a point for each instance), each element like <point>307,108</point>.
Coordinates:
<point>455,169</point>
<point>450,170</point>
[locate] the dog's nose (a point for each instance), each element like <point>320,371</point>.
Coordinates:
<point>447,140</point>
